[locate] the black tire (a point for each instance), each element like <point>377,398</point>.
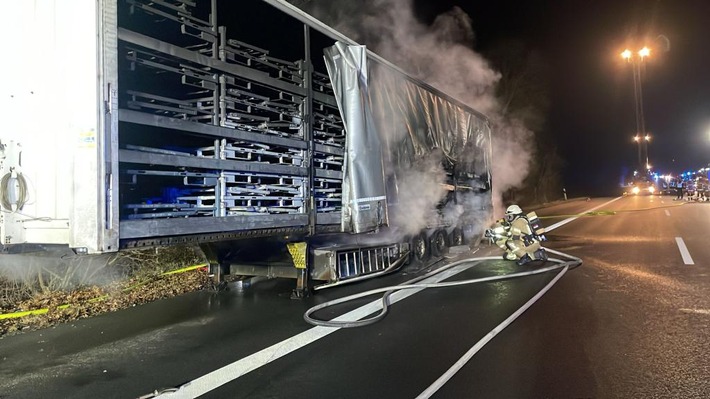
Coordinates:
<point>455,238</point>
<point>420,248</point>
<point>438,243</point>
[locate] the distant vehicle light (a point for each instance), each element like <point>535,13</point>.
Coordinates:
<point>652,190</point>
<point>635,190</point>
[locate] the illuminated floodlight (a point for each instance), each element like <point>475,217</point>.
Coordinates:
<point>626,54</point>
<point>644,52</point>
<point>635,190</point>
<point>647,138</point>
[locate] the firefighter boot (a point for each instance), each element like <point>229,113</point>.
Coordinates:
<point>525,259</point>
<point>541,254</point>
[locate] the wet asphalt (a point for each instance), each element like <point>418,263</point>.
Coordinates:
<point>632,321</point>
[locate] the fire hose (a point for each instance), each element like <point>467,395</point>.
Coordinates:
<point>559,264</point>
<point>202,384</point>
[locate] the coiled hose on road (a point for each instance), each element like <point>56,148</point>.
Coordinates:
<point>572,263</point>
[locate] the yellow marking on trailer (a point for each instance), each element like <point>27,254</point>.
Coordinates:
<point>298,252</point>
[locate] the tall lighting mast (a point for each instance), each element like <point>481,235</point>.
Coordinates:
<point>642,137</point>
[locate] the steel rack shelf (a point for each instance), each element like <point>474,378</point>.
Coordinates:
<point>190,24</point>
<point>246,110</point>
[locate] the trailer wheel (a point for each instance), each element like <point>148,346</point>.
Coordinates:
<point>455,237</point>
<point>420,248</point>
<point>438,243</point>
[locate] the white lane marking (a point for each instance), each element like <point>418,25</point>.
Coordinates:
<point>483,341</point>
<point>230,372</point>
<point>697,311</point>
<point>684,251</point>
<point>668,213</point>
<point>564,222</point>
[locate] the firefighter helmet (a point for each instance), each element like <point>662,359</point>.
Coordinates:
<point>513,210</point>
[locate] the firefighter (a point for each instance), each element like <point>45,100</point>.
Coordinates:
<point>523,244</point>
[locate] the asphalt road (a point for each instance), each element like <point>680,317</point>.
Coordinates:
<point>632,321</point>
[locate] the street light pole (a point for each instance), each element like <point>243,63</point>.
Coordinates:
<point>642,54</point>
<point>641,137</point>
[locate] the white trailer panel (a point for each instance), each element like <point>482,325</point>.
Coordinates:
<point>53,91</point>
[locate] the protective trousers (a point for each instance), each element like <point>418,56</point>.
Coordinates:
<point>516,245</point>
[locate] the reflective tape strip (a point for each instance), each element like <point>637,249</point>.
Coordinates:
<point>368,199</point>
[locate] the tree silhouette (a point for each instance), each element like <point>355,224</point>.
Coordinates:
<point>523,94</point>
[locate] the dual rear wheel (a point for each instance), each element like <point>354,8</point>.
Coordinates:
<point>424,247</point>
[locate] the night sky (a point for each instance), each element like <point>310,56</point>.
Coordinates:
<point>591,87</point>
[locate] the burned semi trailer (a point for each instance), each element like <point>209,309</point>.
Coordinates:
<point>244,127</point>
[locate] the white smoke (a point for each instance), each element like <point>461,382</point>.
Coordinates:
<point>442,55</point>
<point>420,190</point>
<point>512,154</point>
<point>54,270</point>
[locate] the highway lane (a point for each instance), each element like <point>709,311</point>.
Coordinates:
<point>631,322</point>
<point>626,324</point>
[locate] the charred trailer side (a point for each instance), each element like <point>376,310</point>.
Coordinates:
<point>416,164</point>
<point>226,125</point>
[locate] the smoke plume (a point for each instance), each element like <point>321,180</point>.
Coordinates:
<point>419,191</point>
<point>442,55</point>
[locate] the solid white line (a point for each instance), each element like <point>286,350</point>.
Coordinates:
<point>483,341</point>
<point>697,311</point>
<point>564,222</point>
<point>230,372</point>
<point>668,213</point>
<point>684,251</point>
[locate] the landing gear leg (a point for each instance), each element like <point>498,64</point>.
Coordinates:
<point>218,268</point>
<point>301,291</point>
<point>302,262</point>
